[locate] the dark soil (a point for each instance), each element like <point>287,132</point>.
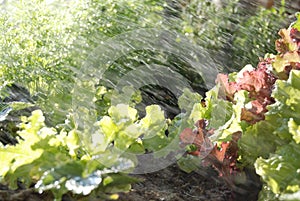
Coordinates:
<point>172,184</point>
<point>169,184</point>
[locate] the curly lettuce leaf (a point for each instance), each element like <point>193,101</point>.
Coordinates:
<point>55,161</point>
<point>281,170</point>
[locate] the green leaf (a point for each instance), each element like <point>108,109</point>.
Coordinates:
<point>60,178</point>
<point>137,147</point>
<point>218,111</point>
<point>280,170</point>
<point>222,115</point>
<point>17,105</point>
<point>189,163</point>
<point>122,114</point>
<point>258,141</point>
<point>108,128</point>
<point>282,61</point>
<point>187,100</point>
<point>154,126</point>
<point>198,112</point>
<point>72,142</point>
<point>36,123</point>
<point>123,141</point>
<point>294,79</point>
<point>231,117</point>
<point>154,121</point>
<point>115,183</point>
<point>13,157</point>
<point>294,129</point>
<point>296,24</point>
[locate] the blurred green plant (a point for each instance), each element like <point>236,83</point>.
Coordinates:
<point>35,43</point>
<point>43,43</point>
<point>233,36</point>
<point>55,161</point>
<point>256,35</point>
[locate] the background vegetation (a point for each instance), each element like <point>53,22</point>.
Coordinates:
<point>44,44</point>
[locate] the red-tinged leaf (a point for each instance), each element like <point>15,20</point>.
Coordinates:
<point>187,136</point>
<point>198,137</point>
<point>288,48</point>
<point>286,43</point>
<point>201,125</point>
<point>195,153</point>
<point>295,35</point>
<point>258,107</point>
<point>284,63</point>
<point>232,153</point>
<point>257,112</point>
<point>227,88</point>
<point>219,154</point>
<point>224,159</point>
<point>259,83</point>
<point>251,117</point>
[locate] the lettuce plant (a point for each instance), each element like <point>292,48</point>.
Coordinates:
<point>263,131</point>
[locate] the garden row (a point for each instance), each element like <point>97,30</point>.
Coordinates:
<point>249,120</point>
